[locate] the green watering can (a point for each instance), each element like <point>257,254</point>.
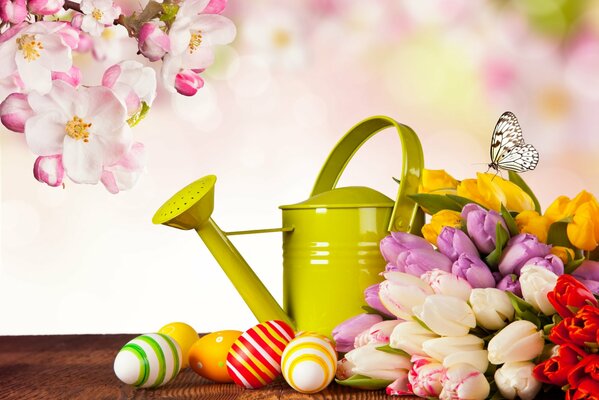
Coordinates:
<point>330,241</point>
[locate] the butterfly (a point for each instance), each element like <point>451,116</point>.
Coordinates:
<point>508,150</point>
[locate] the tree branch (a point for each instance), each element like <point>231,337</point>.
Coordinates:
<point>72,5</point>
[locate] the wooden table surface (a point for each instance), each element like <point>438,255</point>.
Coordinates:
<point>80,367</point>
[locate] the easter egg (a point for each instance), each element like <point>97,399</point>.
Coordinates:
<point>309,362</point>
<point>149,360</point>
<point>254,360</point>
<point>208,356</point>
<point>185,335</point>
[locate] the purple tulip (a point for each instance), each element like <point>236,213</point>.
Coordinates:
<point>520,249</point>
<point>453,243</point>
<point>418,261</point>
<point>510,283</point>
<point>345,333</point>
<point>474,270</point>
<point>482,226</point>
<point>588,274</point>
<point>398,242</point>
<point>371,295</point>
<point>552,262</point>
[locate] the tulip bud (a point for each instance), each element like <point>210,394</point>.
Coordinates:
<point>519,250</point>
<point>371,295</point>
<point>536,283</point>
<point>474,270</point>
<point>153,42</point>
<point>426,376</point>
<point>492,308</point>
<point>398,242</point>
<point>72,76</point>
<point>446,315</point>
<point>551,262</point>
<point>588,274</point>
<point>49,170</point>
<point>479,359</point>
<point>14,112</point>
<point>418,261</point>
<point>482,226</point>
<point>378,333</point>
<point>516,380</point>
<point>369,361</point>
<point>464,382</point>
<point>439,348</point>
<point>510,283</point>
<point>188,82</point>
<point>443,282</point>
<point>453,242</point>
<point>519,341</point>
<point>440,220</point>
<point>409,337</point>
<point>13,11</point>
<point>437,181</point>
<point>45,7</point>
<point>400,292</point>
<point>345,333</point>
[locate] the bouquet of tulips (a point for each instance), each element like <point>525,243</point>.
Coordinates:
<point>495,300</point>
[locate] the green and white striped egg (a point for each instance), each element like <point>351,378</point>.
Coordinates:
<point>149,360</point>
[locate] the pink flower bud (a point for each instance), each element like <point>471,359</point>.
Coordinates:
<point>215,7</point>
<point>14,112</point>
<point>72,76</point>
<point>49,170</point>
<point>13,11</point>
<point>187,82</point>
<point>45,7</point>
<point>153,41</point>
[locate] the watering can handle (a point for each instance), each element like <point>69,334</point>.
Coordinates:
<point>405,212</point>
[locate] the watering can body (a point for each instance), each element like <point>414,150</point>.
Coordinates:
<point>330,241</point>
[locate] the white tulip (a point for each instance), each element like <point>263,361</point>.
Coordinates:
<point>446,315</point>
<point>516,379</point>
<point>463,381</point>
<point>536,282</point>
<point>519,341</point>
<point>409,337</point>
<point>443,282</point>
<point>378,333</point>
<point>440,348</point>
<point>369,361</point>
<point>492,308</point>
<point>477,358</point>
<point>400,292</point>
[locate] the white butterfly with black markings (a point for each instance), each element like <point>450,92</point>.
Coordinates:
<point>508,150</point>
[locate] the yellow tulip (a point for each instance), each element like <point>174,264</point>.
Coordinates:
<point>531,222</point>
<point>439,221</point>
<point>437,181</point>
<point>557,209</point>
<point>492,190</point>
<point>583,231</point>
<point>566,254</point>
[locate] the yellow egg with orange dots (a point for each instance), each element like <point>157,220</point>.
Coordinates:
<point>208,356</point>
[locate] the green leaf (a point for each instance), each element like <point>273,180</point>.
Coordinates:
<point>558,234</point>
<point>502,236</point>
<point>571,266</point>
<point>524,311</point>
<point>364,382</point>
<point>509,220</point>
<point>434,203</point>
<point>421,323</point>
<point>462,201</point>
<point>517,179</point>
<point>169,13</point>
<point>388,349</point>
<point>141,114</point>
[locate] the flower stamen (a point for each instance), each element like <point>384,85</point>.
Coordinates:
<point>78,129</point>
<point>97,14</point>
<point>29,46</point>
<point>195,41</point>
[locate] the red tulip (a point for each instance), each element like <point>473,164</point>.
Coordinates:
<point>569,295</point>
<point>559,333</point>
<point>587,369</point>
<point>555,370</point>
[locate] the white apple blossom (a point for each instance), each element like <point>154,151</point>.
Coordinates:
<point>34,51</point>
<point>97,15</point>
<point>123,174</point>
<point>133,84</point>
<point>86,125</point>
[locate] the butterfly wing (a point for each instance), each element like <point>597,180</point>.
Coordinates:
<point>520,159</point>
<point>506,136</point>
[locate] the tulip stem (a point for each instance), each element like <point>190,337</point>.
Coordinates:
<point>587,254</point>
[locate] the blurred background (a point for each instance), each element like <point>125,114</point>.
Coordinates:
<point>297,77</point>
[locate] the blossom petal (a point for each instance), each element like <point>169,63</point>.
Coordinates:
<point>45,133</point>
<point>8,65</point>
<point>56,55</point>
<point>215,28</point>
<point>200,58</point>
<point>114,148</point>
<point>106,113</point>
<point>82,161</point>
<point>34,75</point>
<point>59,99</point>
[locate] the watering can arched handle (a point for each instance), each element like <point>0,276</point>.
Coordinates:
<point>405,213</point>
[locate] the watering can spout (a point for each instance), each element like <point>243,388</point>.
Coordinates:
<point>191,208</point>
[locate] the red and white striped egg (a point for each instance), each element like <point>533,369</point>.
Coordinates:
<point>254,359</point>
<point>309,362</point>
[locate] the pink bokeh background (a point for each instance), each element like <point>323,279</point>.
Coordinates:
<point>297,77</point>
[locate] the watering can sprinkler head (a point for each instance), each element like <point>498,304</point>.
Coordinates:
<point>190,207</point>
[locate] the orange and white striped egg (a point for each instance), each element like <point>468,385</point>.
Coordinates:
<point>309,362</point>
